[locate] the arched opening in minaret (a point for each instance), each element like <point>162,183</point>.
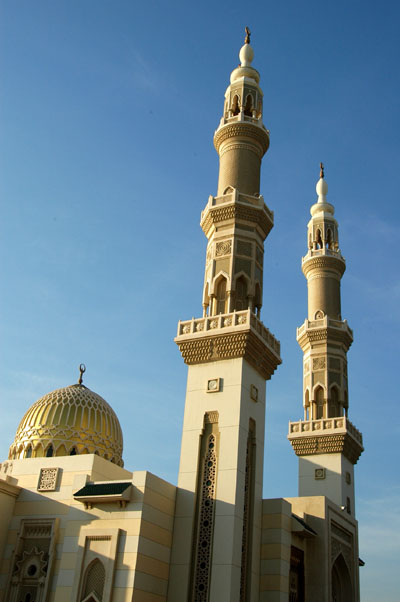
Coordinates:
<point>258,299</point>
<point>248,109</point>
<point>241,300</point>
<point>329,239</point>
<point>221,296</point>
<point>28,453</point>
<point>50,451</point>
<point>319,403</point>
<point>335,408</point>
<point>307,405</point>
<point>341,581</point>
<point>206,300</point>
<point>318,239</point>
<point>235,105</point>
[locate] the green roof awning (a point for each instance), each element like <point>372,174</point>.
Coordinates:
<point>102,493</point>
<point>95,489</point>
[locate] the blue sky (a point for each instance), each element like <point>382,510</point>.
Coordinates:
<point>107,115</point>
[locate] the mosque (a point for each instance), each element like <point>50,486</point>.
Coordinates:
<point>77,526</point>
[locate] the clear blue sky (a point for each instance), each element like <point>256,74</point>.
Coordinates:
<point>108,109</point>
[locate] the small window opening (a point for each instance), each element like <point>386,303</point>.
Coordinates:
<point>221,297</point>
<point>235,105</point>
<point>241,294</point>
<point>329,239</point>
<point>318,239</point>
<point>28,453</point>
<point>50,452</point>
<point>73,452</point>
<point>248,109</point>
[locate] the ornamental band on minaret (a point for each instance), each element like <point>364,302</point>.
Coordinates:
<point>325,433</point>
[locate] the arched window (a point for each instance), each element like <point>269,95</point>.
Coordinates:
<point>248,109</point>
<point>221,297</point>
<point>318,239</point>
<point>93,583</point>
<point>28,453</point>
<point>307,405</point>
<point>329,239</point>
<point>235,105</point>
<point>241,301</point>
<point>341,581</point>
<point>319,400</point>
<point>50,451</point>
<point>73,452</point>
<point>335,405</point>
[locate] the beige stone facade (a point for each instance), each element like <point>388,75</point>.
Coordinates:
<point>78,527</point>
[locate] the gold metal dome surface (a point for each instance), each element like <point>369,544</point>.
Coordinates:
<point>68,421</point>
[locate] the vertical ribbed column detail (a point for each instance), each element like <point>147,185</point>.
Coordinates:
<point>247,514</point>
<point>205,509</point>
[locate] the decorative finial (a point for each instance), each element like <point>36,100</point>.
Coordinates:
<point>248,34</point>
<point>321,173</point>
<point>82,370</point>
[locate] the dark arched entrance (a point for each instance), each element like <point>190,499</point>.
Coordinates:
<point>342,590</point>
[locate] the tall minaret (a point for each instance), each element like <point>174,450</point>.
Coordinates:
<point>327,444</point>
<point>230,354</point>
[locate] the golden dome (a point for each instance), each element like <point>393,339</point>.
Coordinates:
<point>69,421</point>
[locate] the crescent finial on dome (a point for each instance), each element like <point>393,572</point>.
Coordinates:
<point>82,370</point>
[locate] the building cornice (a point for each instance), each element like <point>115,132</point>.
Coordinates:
<point>325,329</point>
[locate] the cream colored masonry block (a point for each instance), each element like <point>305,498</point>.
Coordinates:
<point>122,594</point>
<point>227,541</point>
<point>42,508</point>
<point>151,566</point>
<point>151,584</point>
<point>156,534</point>
<point>177,584</point>
<point>62,594</point>
<point>124,578</point>
<point>278,583</point>
<point>225,583</point>
<point>274,566</point>
<point>131,526</point>
<point>156,484</point>
<point>65,578</point>
<point>153,549</point>
<point>275,550</point>
<point>230,492</point>
<point>157,517</point>
<point>276,536</point>
<point>140,596</point>
<point>68,561</point>
<point>271,596</point>
<point>182,548</point>
<point>159,501</point>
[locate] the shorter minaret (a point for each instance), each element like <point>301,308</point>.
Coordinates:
<point>327,444</point>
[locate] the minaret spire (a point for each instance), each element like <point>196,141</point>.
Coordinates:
<point>326,442</point>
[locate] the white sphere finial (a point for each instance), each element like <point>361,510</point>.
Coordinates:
<point>322,186</point>
<point>246,53</point>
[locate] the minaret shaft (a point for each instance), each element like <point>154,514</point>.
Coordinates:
<point>230,354</point>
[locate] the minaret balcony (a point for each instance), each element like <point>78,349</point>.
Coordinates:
<point>325,252</point>
<point>227,336</point>
<point>327,435</point>
<point>235,206</point>
<point>323,329</point>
